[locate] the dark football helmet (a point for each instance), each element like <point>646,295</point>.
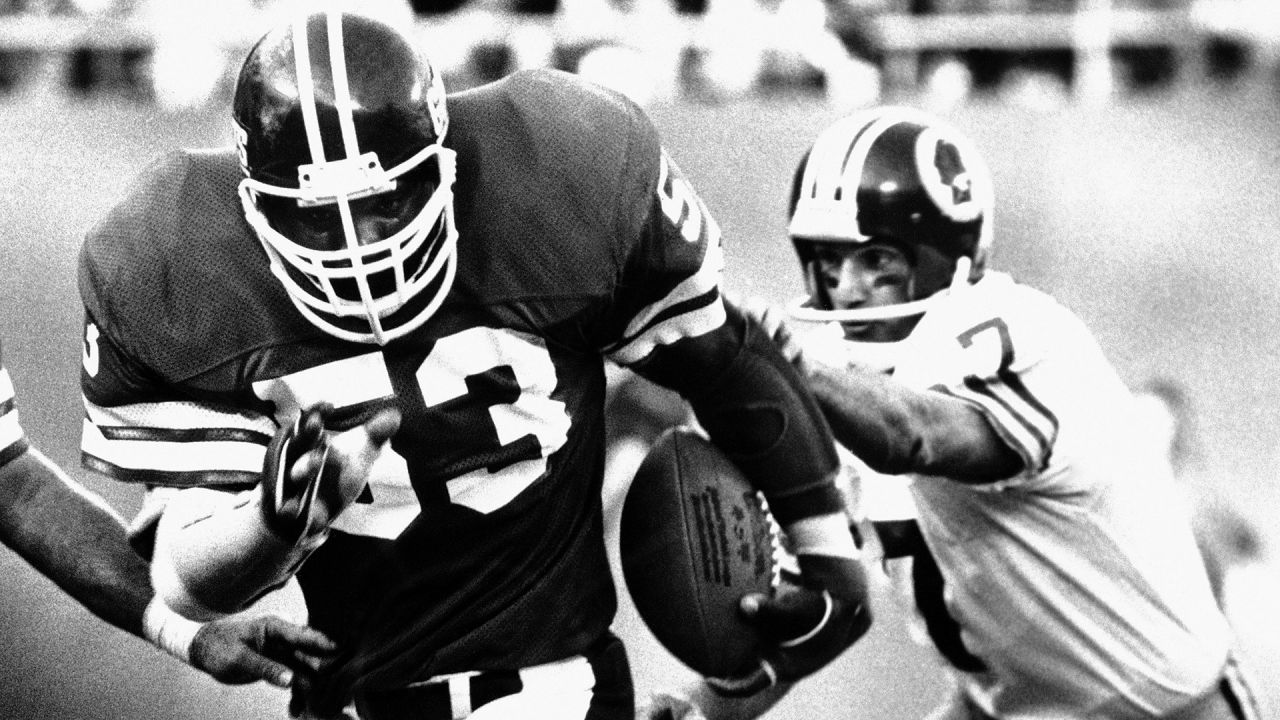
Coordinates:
<point>329,109</point>
<point>896,175</point>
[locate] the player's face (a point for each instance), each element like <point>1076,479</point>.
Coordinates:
<point>319,227</point>
<point>866,276</point>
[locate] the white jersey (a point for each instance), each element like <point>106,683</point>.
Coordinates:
<point>1077,582</point>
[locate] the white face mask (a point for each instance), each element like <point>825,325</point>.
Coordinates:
<point>801,308</point>
<point>317,299</point>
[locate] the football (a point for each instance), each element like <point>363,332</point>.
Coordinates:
<point>694,538</point>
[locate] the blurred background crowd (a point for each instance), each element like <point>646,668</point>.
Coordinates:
<point>1136,168</point>
<point>180,53</point>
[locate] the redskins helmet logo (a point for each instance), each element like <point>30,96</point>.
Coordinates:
<point>946,177</point>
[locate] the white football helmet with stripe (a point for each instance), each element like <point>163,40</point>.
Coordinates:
<point>331,108</point>
<point>896,175</point>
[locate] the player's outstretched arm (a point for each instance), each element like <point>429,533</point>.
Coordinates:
<point>73,538</point>
<point>76,540</point>
<point>891,427</point>
<point>216,552</point>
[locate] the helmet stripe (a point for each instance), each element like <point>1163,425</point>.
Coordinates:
<point>306,90</point>
<point>838,160</point>
<point>855,156</point>
<point>341,88</point>
<point>856,166</point>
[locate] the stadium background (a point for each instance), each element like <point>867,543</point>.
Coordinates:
<point>1152,215</point>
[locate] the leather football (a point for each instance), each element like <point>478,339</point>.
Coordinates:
<point>695,537</point>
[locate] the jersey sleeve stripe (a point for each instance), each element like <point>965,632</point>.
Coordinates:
<point>1038,411</point>
<point>184,435</point>
<point>6,387</point>
<point>1042,431</point>
<point>1008,417</point>
<point>1042,428</point>
<point>13,451</point>
<point>692,308</point>
<point>176,416</point>
<point>10,430</point>
<point>164,478</point>
<point>132,459</point>
<point>181,443</point>
<point>669,312</point>
<point>689,319</point>
<point>706,278</point>
<point>12,440</point>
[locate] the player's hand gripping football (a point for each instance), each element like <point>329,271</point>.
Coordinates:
<point>312,474</point>
<point>808,621</point>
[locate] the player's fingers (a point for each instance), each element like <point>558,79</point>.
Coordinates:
<point>767,322</point>
<point>751,306</point>
<point>233,652</point>
<point>307,466</point>
<point>309,661</point>
<point>357,448</point>
<point>760,310</point>
<point>263,668</point>
<point>311,425</point>
<point>787,341</point>
<point>299,637</point>
<point>382,425</point>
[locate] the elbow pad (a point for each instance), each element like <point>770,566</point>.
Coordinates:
<point>758,411</point>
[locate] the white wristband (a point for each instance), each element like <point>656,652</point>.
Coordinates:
<point>823,535</point>
<point>168,630</point>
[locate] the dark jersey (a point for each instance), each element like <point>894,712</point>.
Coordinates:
<point>478,544</point>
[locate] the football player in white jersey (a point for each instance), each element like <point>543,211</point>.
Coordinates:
<point>1055,572</point>
<point>76,540</point>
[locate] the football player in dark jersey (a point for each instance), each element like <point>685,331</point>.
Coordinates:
<point>76,540</point>
<point>416,298</point>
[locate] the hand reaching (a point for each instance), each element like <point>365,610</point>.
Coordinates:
<point>240,649</point>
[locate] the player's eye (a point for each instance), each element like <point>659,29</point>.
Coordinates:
<point>391,205</point>
<point>318,219</point>
<point>883,261</point>
<point>875,260</point>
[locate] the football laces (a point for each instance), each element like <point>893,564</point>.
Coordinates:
<point>782,559</point>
